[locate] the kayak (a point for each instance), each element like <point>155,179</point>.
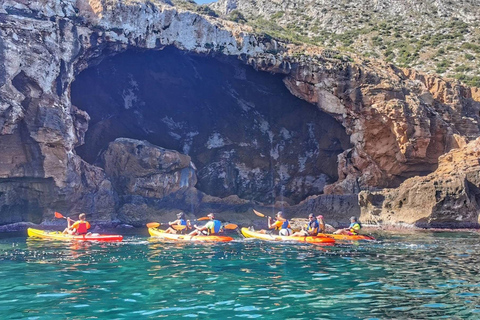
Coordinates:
<point>159,233</point>
<point>247,233</point>
<point>57,235</point>
<point>346,236</point>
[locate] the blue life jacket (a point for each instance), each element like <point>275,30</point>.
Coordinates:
<point>313,226</point>
<point>216,227</point>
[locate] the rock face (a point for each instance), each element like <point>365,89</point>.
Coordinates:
<point>450,196</point>
<point>139,168</point>
<point>398,121</point>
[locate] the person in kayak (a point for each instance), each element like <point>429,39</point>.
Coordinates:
<point>353,229</point>
<point>281,225</point>
<point>181,221</point>
<point>78,227</point>
<point>321,223</point>
<point>210,228</point>
<point>312,228</point>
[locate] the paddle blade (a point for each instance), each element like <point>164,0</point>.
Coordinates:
<point>58,215</point>
<point>258,213</point>
<point>203,218</point>
<point>230,226</point>
<point>153,225</point>
<point>178,227</point>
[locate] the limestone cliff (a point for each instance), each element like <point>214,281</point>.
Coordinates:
<point>450,196</point>
<point>391,123</point>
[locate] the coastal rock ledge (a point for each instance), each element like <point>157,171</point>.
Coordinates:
<point>133,110</point>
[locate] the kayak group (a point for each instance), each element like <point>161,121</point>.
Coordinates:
<point>279,229</point>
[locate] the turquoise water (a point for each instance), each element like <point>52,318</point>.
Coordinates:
<point>402,276</point>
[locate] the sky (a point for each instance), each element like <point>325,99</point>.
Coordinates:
<point>204,1</point>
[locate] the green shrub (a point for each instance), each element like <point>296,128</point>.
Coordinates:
<point>237,16</point>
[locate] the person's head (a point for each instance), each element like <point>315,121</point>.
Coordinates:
<point>353,219</point>
<point>211,216</point>
<point>320,217</point>
<point>311,216</point>
<point>181,215</point>
<point>82,216</point>
<point>280,215</point>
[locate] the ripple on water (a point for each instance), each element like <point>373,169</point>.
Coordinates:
<point>402,277</point>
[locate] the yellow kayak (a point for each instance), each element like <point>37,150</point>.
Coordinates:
<point>159,233</point>
<point>57,235</point>
<point>271,237</point>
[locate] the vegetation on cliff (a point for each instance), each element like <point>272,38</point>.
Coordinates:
<point>439,36</point>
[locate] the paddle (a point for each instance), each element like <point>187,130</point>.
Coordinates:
<point>259,213</point>
<point>59,215</point>
<point>156,224</point>
<point>230,226</point>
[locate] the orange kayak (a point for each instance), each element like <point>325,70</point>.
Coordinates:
<point>271,237</point>
<point>347,237</point>
<point>158,233</point>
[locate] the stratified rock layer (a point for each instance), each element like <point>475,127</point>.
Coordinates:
<point>450,196</point>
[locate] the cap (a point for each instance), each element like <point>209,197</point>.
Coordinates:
<point>319,216</point>
<point>280,214</point>
<point>353,218</point>
<point>180,215</point>
<point>211,215</point>
<point>311,215</point>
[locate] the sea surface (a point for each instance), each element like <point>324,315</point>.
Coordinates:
<point>412,275</point>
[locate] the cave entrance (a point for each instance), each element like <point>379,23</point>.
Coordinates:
<point>245,132</point>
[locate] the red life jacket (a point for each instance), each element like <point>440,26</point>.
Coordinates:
<point>82,228</point>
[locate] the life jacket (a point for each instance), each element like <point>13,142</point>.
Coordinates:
<point>355,227</point>
<point>313,227</point>
<point>285,225</point>
<point>82,228</point>
<point>183,222</point>
<point>215,228</point>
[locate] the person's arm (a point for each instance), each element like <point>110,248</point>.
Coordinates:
<point>75,225</point>
<point>205,227</point>
<point>87,225</point>
<point>269,222</point>
<point>174,222</point>
<point>69,222</point>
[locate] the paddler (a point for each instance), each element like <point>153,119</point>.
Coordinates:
<point>78,227</point>
<point>210,228</point>
<point>312,228</point>
<point>353,228</point>
<point>181,221</point>
<point>321,223</point>
<point>281,225</point>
